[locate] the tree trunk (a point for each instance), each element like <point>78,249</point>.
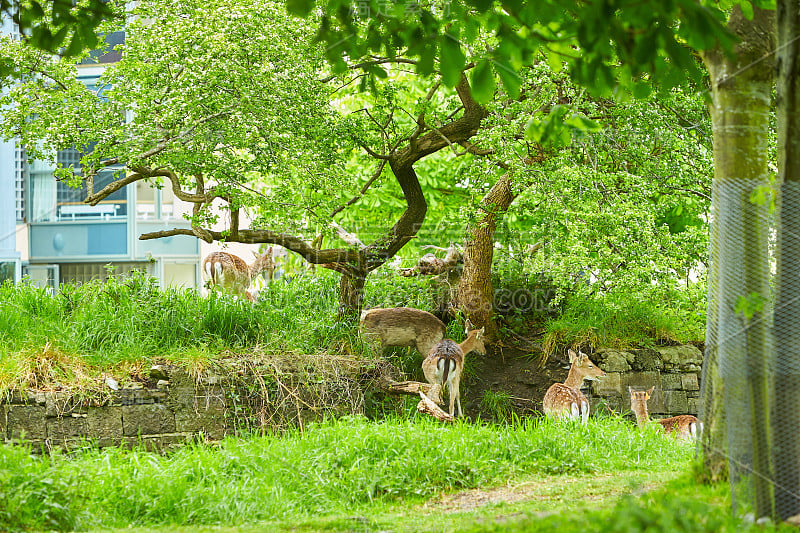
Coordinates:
<point>786,444</point>
<point>351,295</point>
<point>737,339</point>
<point>475,296</point>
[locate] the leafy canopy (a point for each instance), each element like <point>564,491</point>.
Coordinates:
<point>604,43</point>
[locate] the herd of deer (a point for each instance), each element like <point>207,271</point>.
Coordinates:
<point>444,358</point>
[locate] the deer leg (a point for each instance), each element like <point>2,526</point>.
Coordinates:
<point>457,387</point>
<point>584,412</point>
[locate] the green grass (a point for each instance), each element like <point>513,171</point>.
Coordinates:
<point>70,336</point>
<point>623,321</point>
<point>331,469</point>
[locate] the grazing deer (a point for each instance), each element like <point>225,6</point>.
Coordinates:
<point>402,326</point>
<point>566,399</point>
<point>682,426</point>
<point>445,362</point>
<point>230,273</point>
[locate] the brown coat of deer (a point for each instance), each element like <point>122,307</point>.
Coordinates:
<point>231,274</point>
<point>682,426</point>
<point>566,399</point>
<point>445,363</point>
<point>402,326</point>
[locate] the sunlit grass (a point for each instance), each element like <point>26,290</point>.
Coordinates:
<point>330,468</point>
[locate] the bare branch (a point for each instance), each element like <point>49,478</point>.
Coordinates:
<point>290,242</point>
<point>370,181</point>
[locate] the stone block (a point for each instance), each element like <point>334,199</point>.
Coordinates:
<point>149,419</point>
<point>681,356</point>
<point>647,360</point>
<point>208,421</point>
<point>690,382</point>
<point>615,361</point>
<point>675,403</point>
<point>28,421</point>
<point>608,386</point>
<point>65,427</point>
<point>692,405</point>
<point>63,404</point>
<point>3,422</point>
<point>105,424</point>
<point>671,381</point>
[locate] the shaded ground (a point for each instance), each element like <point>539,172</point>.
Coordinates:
<point>512,371</point>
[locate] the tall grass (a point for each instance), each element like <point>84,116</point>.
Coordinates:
<point>623,321</point>
<point>334,467</point>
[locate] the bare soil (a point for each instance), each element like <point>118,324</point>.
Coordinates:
<point>514,371</point>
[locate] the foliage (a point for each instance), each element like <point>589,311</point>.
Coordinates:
<point>334,467</point>
<point>55,26</point>
<point>627,320</point>
<point>497,405</point>
<point>623,40</point>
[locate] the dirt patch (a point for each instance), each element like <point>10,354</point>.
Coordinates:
<point>512,371</point>
<point>587,489</point>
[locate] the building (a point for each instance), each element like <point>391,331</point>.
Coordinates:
<point>49,235</point>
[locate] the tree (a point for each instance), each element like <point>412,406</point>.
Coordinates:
<point>229,104</point>
<point>787,308</point>
<point>605,43</point>
<point>55,26</point>
<point>741,87</point>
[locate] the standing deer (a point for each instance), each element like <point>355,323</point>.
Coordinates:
<point>231,274</point>
<point>445,362</point>
<point>566,399</point>
<point>402,326</point>
<point>682,426</point>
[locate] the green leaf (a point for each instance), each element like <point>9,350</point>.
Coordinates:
<point>747,9</point>
<point>483,83</point>
<point>510,78</point>
<point>301,8</point>
<point>641,90</point>
<point>452,59</point>
<point>748,306</point>
<point>582,123</point>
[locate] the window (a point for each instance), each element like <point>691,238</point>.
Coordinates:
<point>56,201</point>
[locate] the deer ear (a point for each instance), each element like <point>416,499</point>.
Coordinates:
<point>650,391</point>
<point>467,326</point>
<point>268,253</point>
<point>572,355</point>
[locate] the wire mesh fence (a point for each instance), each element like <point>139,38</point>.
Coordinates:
<point>751,374</point>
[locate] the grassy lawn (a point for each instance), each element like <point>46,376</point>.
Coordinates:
<point>356,475</point>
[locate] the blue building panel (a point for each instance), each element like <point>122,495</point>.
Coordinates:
<point>77,241</point>
<point>107,239</point>
<point>177,245</point>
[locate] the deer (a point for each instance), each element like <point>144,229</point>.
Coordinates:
<point>231,274</point>
<point>402,326</point>
<point>681,426</point>
<point>445,362</point>
<point>566,399</point>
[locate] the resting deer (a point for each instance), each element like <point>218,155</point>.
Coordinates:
<point>566,399</point>
<point>682,426</point>
<point>445,362</point>
<point>230,273</point>
<point>402,326</point>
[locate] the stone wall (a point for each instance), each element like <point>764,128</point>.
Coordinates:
<point>674,371</point>
<point>172,407</point>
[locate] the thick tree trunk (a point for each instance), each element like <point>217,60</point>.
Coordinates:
<point>737,342</point>
<point>475,296</point>
<point>351,295</point>
<point>786,412</point>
